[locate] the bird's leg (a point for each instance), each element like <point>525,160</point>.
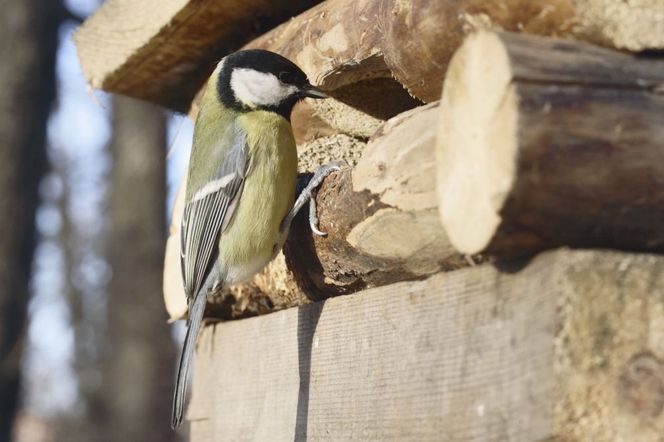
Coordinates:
<point>307,195</point>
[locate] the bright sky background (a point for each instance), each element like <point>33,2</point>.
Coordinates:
<point>78,133</point>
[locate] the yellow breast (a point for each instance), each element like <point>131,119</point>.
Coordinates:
<point>269,188</point>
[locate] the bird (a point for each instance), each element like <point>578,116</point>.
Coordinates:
<point>241,183</point>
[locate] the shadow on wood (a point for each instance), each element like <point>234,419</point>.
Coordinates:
<point>307,319</point>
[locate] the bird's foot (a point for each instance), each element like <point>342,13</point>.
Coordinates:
<point>321,173</point>
<point>308,194</point>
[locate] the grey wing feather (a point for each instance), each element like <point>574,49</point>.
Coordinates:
<point>208,213</point>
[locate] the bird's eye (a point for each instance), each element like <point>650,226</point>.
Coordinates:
<point>284,76</point>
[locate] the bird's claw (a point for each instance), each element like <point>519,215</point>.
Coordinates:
<point>313,217</point>
<point>321,173</point>
<point>307,195</point>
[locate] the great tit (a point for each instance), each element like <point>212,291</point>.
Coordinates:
<point>241,182</point>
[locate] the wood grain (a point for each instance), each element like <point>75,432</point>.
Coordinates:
<point>332,42</point>
<point>562,349</point>
<point>421,36</point>
<point>380,216</point>
<point>546,142</point>
<point>164,51</point>
<point>633,25</point>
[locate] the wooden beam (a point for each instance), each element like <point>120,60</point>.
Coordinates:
<point>570,347</point>
<point>546,142</point>
<point>416,39</point>
<point>162,51</point>
<point>332,42</point>
<point>420,36</point>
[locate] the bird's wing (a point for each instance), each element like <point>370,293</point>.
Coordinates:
<point>208,211</point>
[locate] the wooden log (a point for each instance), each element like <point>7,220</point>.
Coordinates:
<point>333,42</point>
<point>414,43</point>
<point>163,51</point>
<point>571,347</point>
<point>276,287</point>
<point>546,142</point>
<point>421,36</point>
<point>381,218</point>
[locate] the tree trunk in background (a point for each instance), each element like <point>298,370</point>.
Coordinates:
<point>28,42</point>
<point>138,376</point>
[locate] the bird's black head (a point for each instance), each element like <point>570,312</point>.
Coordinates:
<point>258,79</point>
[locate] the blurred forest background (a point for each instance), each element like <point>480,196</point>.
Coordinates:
<point>86,353</point>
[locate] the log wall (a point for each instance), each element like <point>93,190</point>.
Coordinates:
<point>162,52</point>
<point>466,145</point>
<point>568,347</point>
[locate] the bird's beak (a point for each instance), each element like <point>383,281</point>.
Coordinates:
<point>313,92</point>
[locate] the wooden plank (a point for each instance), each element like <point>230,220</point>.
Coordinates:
<point>162,51</point>
<point>546,142</point>
<point>569,347</point>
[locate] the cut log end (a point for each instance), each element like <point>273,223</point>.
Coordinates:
<point>477,143</point>
<point>330,148</point>
<point>547,142</point>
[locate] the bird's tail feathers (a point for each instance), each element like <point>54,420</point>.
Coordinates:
<point>197,308</point>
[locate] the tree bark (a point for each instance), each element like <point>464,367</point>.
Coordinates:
<point>28,39</point>
<point>138,379</point>
<point>546,142</point>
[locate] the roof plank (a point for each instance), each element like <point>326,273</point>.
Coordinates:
<point>163,51</point>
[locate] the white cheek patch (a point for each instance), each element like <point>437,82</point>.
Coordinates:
<point>254,88</point>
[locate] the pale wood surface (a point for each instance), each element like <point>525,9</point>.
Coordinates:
<point>162,51</point>
<point>568,347</point>
<point>546,142</point>
<point>634,25</point>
